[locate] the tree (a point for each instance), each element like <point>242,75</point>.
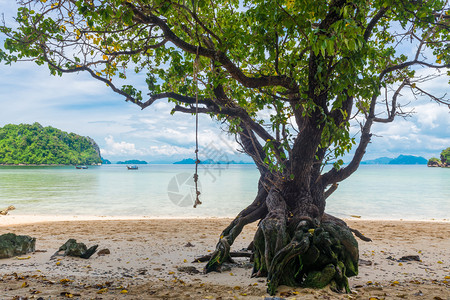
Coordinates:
<point>34,144</point>
<point>314,66</point>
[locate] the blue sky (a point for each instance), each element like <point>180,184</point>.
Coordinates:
<point>77,103</point>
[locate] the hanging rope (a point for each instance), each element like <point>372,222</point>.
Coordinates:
<point>197,192</point>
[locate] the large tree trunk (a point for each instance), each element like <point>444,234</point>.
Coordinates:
<point>296,244</point>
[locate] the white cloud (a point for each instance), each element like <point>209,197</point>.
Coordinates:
<point>433,116</point>
<point>114,148</point>
<point>77,103</point>
<point>169,150</point>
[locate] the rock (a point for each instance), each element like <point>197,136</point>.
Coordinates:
<point>103,252</point>
<point>5,211</point>
<point>247,265</point>
<point>226,267</point>
<point>189,245</point>
<point>72,248</point>
<point>432,163</point>
<point>409,258</point>
<point>363,262</point>
<point>189,270</point>
<point>142,271</point>
<point>405,258</point>
<point>12,245</point>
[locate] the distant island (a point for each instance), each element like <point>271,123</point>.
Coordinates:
<point>377,161</point>
<point>132,162</point>
<point>444,160</point>
<point>26,144</point>
<point>400,160</point>
<point>190,161</point>
<point>105,161</point>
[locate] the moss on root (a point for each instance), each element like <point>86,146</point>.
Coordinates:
<point>315,258</point>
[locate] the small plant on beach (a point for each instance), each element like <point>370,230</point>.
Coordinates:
<point>288,77</point>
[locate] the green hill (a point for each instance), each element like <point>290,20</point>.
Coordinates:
<point>36,145</point>
<point>444,160</point>
<point>408,160</point>
<point>377,161</point>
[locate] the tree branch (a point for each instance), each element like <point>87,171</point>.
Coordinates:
<point>411,63</point>
<point>330,190</point>
<point>333,176</point>
<point>373,22</point>
<point>93,74</point>
<point>253,148</point>
<point>219,56</point>
<point>178,97</point>
<point>392,112</point>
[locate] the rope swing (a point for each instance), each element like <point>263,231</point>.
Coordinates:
<point>197,192</point>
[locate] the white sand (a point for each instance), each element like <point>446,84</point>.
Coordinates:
<point>145,255</point>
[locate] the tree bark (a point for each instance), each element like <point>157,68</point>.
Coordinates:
<point>295,244</point>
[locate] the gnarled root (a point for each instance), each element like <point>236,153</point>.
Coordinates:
<point>252,213</point>
<point>316,256</point>
<point>293,249</point>
<point>221,255</point>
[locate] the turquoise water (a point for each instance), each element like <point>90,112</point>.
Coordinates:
<point>373,192</point>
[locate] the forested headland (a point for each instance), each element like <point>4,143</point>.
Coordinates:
<point>443,161</point>
<point>37,145</point>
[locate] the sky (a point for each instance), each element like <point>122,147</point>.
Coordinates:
<point>77,103</point>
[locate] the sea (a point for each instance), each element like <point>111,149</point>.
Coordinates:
<point>389,192</point>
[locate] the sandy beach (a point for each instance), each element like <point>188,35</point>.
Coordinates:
<point>152,259</point>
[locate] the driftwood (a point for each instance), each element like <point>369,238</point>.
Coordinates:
<point>5,211</point>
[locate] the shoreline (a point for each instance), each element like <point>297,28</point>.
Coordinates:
<point>44,165</point>
<point>24,219</point>
<point>12,219</point>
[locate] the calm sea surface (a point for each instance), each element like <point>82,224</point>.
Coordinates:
<point>373,192</point>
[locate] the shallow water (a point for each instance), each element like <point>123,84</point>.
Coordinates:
<point>373,192</point>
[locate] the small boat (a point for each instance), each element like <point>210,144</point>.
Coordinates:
<point>81,167</point>
<point>133,167</point>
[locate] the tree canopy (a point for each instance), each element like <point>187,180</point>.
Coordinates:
<point>286,76</point>
<point>34,144</point>
<point>318,62</point>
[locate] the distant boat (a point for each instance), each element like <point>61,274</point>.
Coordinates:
<point>81,167</point>
<point>134,167</point>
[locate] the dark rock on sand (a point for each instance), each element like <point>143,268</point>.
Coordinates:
<point>189,270</point>
<point>72,248</point>
<point>12,245</point>
<point>363,262</point>
<point>103,252</point>
<point>410,258</point>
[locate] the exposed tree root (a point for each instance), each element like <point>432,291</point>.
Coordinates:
<point>252,213</point>
<point>360,235</point>
<point>315,256</point>
<point>207,257</point>
<point>293,250</point>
